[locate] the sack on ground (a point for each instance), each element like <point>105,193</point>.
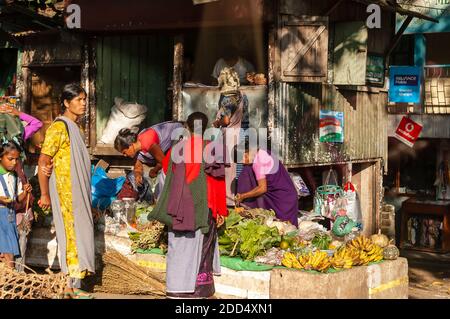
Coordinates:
<point>123,115</point>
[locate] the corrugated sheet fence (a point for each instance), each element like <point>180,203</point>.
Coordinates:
<point>297,118</point>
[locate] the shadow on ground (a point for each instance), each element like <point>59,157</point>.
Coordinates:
<point>429,274</point>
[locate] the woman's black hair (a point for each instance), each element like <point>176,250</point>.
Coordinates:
<point>8,147</point>
<point>70,91</point>
<point>124,139</point>
<point>197,116</point>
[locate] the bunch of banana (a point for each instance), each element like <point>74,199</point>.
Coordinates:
<point>318,260</point>
<point>375,254</point>
<point>368,251</point>
<point>360,243</point>
<point>342,258</point>
<point>289,260</point>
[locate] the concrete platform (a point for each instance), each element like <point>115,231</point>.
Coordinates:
<point>388,279</point>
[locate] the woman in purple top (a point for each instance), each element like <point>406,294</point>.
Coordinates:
<point>31,126</point>
<point>265,183</point>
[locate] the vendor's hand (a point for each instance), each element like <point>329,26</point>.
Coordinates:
<point>44,202</point>
<point>47,170</point>
<point>5,200</point>
<point>139,179</point>
<point>239,198</point>
<point>4,108</point>
<point>153,172</point>
<point>27,188</point>
<point>216,123</point>
<point>220,220</point>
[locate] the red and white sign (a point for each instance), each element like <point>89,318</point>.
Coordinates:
<point>408,131</point>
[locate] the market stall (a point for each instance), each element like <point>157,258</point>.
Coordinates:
<point>260,256</point>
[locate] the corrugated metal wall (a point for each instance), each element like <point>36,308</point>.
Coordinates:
<point>297,118</point>
<point>136,68</point>
<point>434,125</point>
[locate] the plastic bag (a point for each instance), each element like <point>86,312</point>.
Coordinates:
<point>353,206</point>
<point>327,199</point>
<point>140,193</point>
<point>104,189</point>
<point>300,186</point>
<point>308,229</point>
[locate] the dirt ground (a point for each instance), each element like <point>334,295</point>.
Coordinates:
<point>429,275</point>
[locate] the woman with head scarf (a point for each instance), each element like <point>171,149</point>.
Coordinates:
<point>193,205</point>
<point>233,119</point>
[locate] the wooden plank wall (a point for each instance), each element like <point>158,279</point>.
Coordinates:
<point>137,68</point>
<point>378,40</point>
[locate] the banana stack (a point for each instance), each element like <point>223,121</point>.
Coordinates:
<point>290,261</point>
<point>317,260</point>
<point>368,251</point>
<point>344,258</point>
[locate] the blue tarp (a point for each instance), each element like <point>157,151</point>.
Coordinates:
<point>104,189</point>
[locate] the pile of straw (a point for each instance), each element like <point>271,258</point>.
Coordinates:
<point>122,276</point>
<point>20,285</point>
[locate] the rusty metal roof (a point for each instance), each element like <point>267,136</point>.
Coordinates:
<point>391,5</point>
<point>21,18</point>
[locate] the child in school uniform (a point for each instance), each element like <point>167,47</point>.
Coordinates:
<point>11,190</point>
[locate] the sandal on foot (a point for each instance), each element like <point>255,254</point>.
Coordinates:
<point>68,295</point>
<point>80,294</point>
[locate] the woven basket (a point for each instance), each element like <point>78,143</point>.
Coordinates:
<point>20,285</point>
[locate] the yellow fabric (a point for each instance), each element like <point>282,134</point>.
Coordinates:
<point>57,146</point>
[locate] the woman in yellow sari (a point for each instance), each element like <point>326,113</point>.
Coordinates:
<point>68,191</point>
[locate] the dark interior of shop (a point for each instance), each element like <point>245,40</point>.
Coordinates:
<point>412,170</point>
<point>203,47</point>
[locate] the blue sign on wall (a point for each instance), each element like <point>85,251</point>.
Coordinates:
<point>438,9</point>
<point>405,84</point>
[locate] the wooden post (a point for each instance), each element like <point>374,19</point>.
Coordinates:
<point>378,193</point>
<point>271,80</point>
<point>92,95</point>
<point>86,87</point>
<point>397,179</point>
<point>397,38</point>
<point>26,89</point>
<point>332,8</point>
<point>177,84</point>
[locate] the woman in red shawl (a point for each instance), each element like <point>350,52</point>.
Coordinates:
<point>193,205</point>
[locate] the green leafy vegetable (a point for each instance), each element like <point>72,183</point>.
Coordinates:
<point>247,238</point>
<point>321,241</point>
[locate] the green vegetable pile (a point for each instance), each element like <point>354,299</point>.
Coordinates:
<point>152,237</point>
<point>321,241</point>
<point>247,238</point>
<point>143,208</point>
